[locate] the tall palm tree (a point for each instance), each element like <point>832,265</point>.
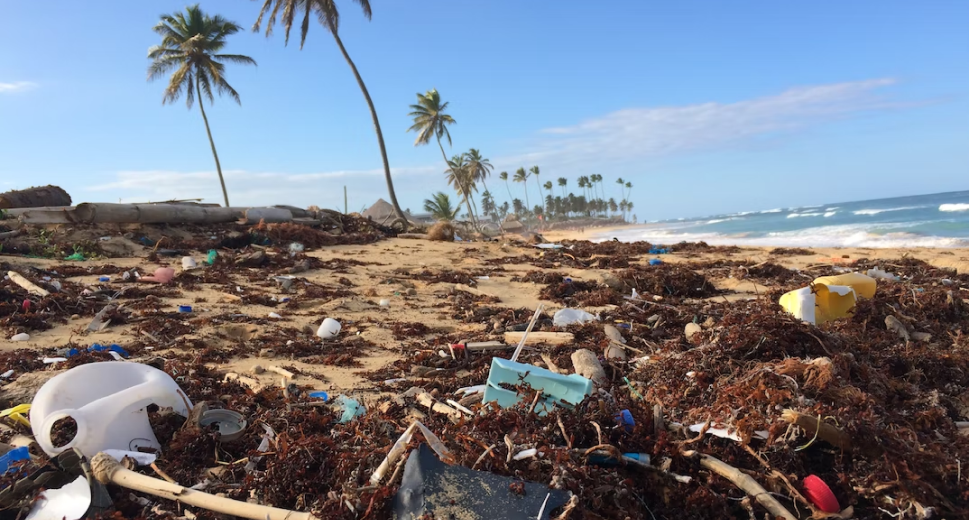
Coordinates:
<point>629,186</point>
<point>548,187</point>
<point>191,44</point>
<point>439,206</point>
<point>562,183</point>
<point>479,166</point>
<point>504,176</point>
<point>613,207</point>
<point>430,120</point>
<point>534,171</point>
<point>329,17</point>
<point>597,179</point>
<point>459,177</point>
<point>521,176</point>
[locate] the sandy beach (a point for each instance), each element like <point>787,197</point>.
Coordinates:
<point>706,344</point>
<point>386,271</point>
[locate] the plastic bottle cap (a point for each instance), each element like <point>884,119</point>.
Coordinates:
<point>819,493</point>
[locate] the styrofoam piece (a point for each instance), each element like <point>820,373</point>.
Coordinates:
<point>67,503</point>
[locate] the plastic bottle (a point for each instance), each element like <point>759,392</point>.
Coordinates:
<point>108,402</point>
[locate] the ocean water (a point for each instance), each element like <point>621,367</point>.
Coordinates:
<point>939,220</point>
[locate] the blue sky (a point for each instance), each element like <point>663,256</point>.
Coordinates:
<point>706,106</point>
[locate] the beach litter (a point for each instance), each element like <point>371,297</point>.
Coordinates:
<point>733,416</point>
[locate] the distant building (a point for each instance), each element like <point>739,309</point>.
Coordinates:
<point>383,213</point>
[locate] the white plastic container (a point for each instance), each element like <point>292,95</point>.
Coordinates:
<point>189,263</point>
<point>108,402</point>
<point>566,317</point>
<point>329,329</point>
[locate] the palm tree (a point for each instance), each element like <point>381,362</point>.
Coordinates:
<point>548,187</point>
<point>504,176</point>
<point>329,17</point>
<point>459,177</point>
<point>621,183</point>
<point>488,205</point>
<point>534,171</point>
<point>430,120</point>
<point>613,207</point>
<point>623,206</point>
<point>629,186</point>
<point>562,183</point>
<point>518,207</point>
<point>439,206</point>
<point>479,166</point>
<point>191,42</point>
<point>521,176</point>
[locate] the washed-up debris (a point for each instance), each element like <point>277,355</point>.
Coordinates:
<point>104,401</point>
<point>329,329</point>
<point>431,488</point>
<point>547,387</point>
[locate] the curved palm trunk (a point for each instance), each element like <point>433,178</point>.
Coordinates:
<point>376,126</point>
<point>508,187</point>
<point>218,167</point>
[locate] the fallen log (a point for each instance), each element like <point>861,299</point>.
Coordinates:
<point>35,197</point>
<point>107,213</point>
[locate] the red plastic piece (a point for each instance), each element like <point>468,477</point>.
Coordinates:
<point>818,492</point>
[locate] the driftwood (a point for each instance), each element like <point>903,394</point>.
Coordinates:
<point>35,198</point>
<point>540,338</point>
<point>745,482</point>
<point>9,234</point>
<point>587,365</point>
<point>109,471</point>
<point>31,288</point>
<point>814,426</point>
<point>105,213</point>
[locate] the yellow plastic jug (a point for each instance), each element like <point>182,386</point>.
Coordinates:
<point>863,285</point>
<point>824,303</point>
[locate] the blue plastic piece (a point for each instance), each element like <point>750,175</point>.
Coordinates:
<point>185,308</point>
<point>655,261</point>
<point>97,347</point>
<point>104,279</point>
<point>351,408</point>
<point>557,389</point>
<point>320,395</point>
<point>623,325</point>
<point>12,456</point>
<point>658,251</point>
<point>625,418</point>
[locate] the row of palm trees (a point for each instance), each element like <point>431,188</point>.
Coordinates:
<point>192,48</point>
<point>465,171</point>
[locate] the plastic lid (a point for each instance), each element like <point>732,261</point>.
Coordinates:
<point>818,492</point>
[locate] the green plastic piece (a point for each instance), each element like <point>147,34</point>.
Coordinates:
<point>213,254</point>
<point>76,257</point>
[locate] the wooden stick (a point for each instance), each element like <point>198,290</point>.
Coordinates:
<point>743,481</point>
<point>432,404</point>
<point>109,471</point>
<point>539,338</point>
<point>32,288</point>
<point>823,430</point>
<point>281,371</point>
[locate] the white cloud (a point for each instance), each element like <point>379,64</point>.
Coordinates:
<point>624,137</point>
<point>16,86</point>
<point>259,188</point>
<point>637,133</point>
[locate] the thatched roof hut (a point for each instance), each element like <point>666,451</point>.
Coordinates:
<point>381,212</point>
